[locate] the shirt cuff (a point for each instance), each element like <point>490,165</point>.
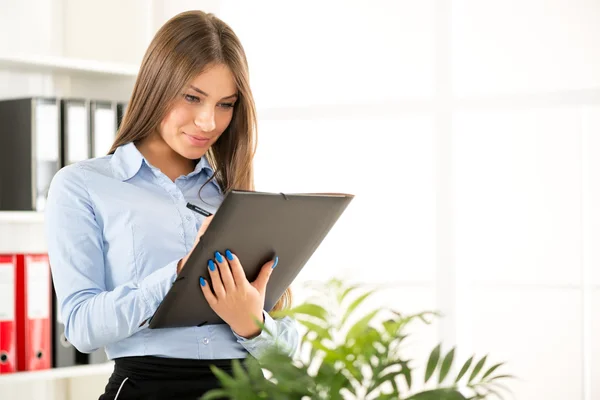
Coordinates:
<point>155,286</point>
<point>266,334</point>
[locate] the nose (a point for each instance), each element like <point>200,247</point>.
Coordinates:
<point>205,119</point>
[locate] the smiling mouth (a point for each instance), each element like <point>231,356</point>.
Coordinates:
<point>196,137</point>
<point>195,140</point>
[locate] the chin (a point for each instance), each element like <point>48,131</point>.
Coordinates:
<point>192,153</point>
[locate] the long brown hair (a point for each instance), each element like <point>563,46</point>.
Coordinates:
<point>184,47</point>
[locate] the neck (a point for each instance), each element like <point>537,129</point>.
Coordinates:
<point>159,154</point>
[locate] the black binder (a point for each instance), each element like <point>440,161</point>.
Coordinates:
<point>97,357</point>
<point>63,352</point>
<point>256,227</point>
<point>29,151</point>
<point>121,108</point>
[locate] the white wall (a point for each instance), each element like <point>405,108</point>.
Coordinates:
<point>467,129</point>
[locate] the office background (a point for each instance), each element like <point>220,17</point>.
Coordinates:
<point>469,131</point>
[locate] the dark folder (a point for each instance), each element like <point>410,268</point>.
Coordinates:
<point>29,151</point>
<point>63,352</point>
<point>121,108</point>
<point>256,227</point>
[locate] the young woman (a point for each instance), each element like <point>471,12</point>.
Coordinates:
<point>118,229</point>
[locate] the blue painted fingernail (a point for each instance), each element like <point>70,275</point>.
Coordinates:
<point>202,281</point>
<point>276,261</point>
<point>211,265</point>
<point>219,257</point>
<point>229,255</point>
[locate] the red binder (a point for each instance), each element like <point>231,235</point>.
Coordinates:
<point>8,324</point>
<point>33,312</point>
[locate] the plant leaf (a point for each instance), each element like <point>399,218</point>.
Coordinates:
<point>505,376</point>
<point>407,372</point>
<point>346,292</point>
<point>355,304</point>
<point>215,394</point>
<point>501,387</point>
<point>464,369</point>
<point>239,374</point>
<point>432,363</point>
<point>491,370</point>
<point>254,370</point>
<point>446,364</point>
<point>226,380</point>
<point>389,377</point>
<point>438,394</point>
<point>360,327</point>
<point>322,332</point>
<point>477,368</point>
<point>310,309</point>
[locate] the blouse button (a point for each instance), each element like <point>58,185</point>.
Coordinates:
<point>206,340</point>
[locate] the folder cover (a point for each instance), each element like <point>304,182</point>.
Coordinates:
<point>8,324</point>
<point>33,312</point>
<point>256,226</point>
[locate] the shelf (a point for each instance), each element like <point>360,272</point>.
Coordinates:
<point>68,65</point>
<point>58,373</point>
<point>26,217</point>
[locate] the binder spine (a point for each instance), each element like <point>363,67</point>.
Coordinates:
<point>46,145</point>
<point>33,312</point>
<point>75,131</point>
<point>103,126</point>
<point>8,325</point>
<point>17,163</point>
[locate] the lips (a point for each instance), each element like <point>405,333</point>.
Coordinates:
<point>197,140</point>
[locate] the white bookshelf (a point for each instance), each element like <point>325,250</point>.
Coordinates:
<point>78,371</point>
<point>21,217</point>
<point>70,55</point>
<point>71,66</point>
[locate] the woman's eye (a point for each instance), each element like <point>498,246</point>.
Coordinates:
<point>226,105</point>
<point>191,99</point>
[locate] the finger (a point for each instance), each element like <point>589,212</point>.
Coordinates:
<point>215,277</point>
<point>239,276</point>
<point>263,277</point>
<point>225,271</point>
<point>210,297</point>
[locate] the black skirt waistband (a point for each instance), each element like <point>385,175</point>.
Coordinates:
<point>160,368</point>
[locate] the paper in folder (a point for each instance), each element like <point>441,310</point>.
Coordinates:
<point>256,227</point>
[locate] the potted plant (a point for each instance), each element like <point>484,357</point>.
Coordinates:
<point>345,356</point>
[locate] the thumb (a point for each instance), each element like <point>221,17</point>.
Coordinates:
<point>265,273</point>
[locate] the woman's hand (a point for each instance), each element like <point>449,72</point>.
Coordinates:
<point>201,231</point>
<point>236,300</point>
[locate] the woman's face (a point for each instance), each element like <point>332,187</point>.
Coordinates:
<point>201,113</point>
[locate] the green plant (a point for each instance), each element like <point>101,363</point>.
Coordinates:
<point>347,357</point>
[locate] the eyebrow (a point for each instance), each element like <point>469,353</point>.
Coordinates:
<point>206,94</point>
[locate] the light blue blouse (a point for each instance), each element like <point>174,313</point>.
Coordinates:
<point>116,227</point>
